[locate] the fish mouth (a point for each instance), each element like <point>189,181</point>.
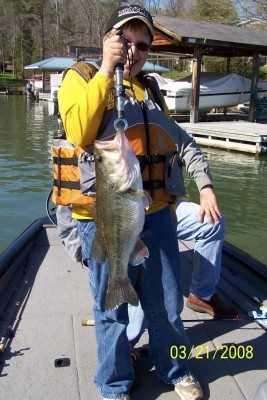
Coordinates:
<point>104,145</point>
<point>105,149</point>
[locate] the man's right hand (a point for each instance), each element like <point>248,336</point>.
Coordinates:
<point>114,52</point>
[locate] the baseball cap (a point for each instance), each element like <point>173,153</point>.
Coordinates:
<point>126,13</point>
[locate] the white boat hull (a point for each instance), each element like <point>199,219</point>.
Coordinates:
<point>206,102</point>
<point>216,91</point>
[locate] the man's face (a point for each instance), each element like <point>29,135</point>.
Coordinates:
<point>137,51</point>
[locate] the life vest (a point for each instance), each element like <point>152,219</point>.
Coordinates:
<point>152,136</point>
<point>66,183</point>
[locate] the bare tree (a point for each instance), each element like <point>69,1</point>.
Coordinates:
<point>250,10</point>
<point>179,8</point>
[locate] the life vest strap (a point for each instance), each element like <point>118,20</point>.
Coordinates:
<point>66,184</point>
<point>65,161</point>
<point>155,184</point>
<point>150,159</point>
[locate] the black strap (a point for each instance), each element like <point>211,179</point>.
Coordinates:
<point>152,88</point>
<point>143,107</point>
<point>65,161</point>
<point>66,184</point>
<point>150,159</point>
<point>151,185</point>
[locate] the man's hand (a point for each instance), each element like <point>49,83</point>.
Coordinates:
<point>208,206</point>
<point>114,52</point>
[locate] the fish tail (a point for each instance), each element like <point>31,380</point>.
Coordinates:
<point>119,292</point>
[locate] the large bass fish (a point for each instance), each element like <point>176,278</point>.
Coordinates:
<point>119,215</point>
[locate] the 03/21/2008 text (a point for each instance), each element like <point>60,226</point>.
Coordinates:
<point>225,352</point>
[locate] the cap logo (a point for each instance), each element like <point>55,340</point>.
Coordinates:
<point>135,10</point>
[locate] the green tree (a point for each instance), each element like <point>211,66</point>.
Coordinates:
<point>220,11</point>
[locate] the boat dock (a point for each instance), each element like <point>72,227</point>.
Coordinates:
<point>53,356</point>
<point>243,136</point>
<point>44,96</point>
<point>8,91</point>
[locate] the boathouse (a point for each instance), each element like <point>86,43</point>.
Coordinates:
<point>198,39</point>
<point>201,38</point>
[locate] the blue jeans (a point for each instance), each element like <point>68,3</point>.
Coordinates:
<point>156,282</point>
<point>208,247</point>
<point>206,263</point>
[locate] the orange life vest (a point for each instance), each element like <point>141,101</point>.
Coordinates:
<point>149,135</point>
<point>66,184</point>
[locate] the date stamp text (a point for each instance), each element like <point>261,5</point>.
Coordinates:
<point>224,352</point>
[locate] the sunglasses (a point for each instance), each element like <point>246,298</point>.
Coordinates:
<point>140,46</point>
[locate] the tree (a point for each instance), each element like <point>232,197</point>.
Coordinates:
<point>179,8</point>
<point>220,11</point>
<point>250,10</point>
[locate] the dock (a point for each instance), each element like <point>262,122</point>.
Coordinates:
<point>243,136</point>
<point>44,96</point>
<point>10,91</point>
<point>53,296</point>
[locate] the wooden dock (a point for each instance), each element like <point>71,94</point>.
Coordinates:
<point>44,96</point>
<point>243,136</point>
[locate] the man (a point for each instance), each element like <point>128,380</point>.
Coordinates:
<point>87,108</point>
<point>208,234</point>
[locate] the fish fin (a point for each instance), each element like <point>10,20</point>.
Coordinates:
<point>139,253</point>
<point>135,192</point>
<point>119,292</point>
<point>97,252</point>
<point>147,200</point>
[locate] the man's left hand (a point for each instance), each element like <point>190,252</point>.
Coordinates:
<point>209,206</point>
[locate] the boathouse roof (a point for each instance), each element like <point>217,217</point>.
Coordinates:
<point>178,35</point>
<point>61,63</point>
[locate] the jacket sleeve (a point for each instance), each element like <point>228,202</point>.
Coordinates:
<point>82,106</point>
<point>193,159</point>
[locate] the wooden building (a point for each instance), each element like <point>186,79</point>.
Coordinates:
<point>200,38</point>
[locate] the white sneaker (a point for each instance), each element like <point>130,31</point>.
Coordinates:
<point>189,388</point>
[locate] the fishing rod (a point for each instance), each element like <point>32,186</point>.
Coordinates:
<point>14,307</point>
<point>236,319</point>
<point>90,322</point>
<point>120,122</point>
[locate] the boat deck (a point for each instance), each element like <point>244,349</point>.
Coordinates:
<point>52,297</point>
<point>249,137</point>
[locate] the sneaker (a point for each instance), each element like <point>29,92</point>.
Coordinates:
<point>189,388</point>
<point>215,306</point>
<point>137,374</point>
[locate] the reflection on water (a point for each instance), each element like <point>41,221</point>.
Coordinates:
<point>240,185</point>
<point>26,132</point>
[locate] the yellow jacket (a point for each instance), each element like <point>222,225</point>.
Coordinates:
<point>82,108</point>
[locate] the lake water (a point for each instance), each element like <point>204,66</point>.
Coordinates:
<point>26,132</point>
